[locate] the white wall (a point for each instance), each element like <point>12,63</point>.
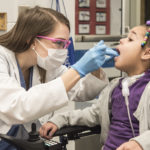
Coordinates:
<point>131,14</point>
<point>135,12</point>
<point>115,17</point>
<point>11,11</point>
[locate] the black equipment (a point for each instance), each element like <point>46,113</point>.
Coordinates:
<point>34,142</point>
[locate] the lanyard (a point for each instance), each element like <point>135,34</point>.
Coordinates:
<point>22,81</point>
<point>58,6</point>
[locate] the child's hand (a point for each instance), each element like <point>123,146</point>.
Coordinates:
<point>131,145</point>
<point>47,130</point>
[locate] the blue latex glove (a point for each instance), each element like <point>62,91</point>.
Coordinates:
<point>110,53</point>
<point>93,59</point>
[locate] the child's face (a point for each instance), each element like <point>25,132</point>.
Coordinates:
<point>130,51</point>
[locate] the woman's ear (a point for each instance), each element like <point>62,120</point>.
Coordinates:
<point>33,44</point>
<point>146,54</point>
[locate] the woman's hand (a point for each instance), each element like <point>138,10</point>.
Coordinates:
<point>131,145</point>
<point>47,130</point>
<point>94,58</point>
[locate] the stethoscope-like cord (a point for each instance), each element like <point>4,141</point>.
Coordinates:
<point>125,92</point>
<point>129,116</point>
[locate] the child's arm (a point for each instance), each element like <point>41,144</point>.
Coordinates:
<point>88,116</point>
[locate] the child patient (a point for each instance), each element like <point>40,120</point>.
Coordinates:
<point>123,108</point>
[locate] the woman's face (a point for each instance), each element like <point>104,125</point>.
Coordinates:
<point>61,32</point>
<point>130,51</point>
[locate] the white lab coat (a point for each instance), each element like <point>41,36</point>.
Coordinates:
<point>18,106</point>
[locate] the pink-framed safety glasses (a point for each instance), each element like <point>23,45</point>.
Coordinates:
<point>62,43</point>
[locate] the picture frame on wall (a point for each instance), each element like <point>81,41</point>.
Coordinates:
<point>84,28</point>
<point>101,4</point>
<point>100,29</point>
<point>3,21</point>
<point>84,15</point>
<point>84,3</point>
<point>100,17</point>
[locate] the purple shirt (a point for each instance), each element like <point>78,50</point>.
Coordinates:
<point>120,130</point>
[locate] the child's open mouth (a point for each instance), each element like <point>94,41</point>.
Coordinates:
<point>118,51</point>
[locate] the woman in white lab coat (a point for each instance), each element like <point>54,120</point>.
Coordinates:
<point>33,81</point>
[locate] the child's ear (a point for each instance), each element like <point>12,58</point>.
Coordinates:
<point>146,54</point>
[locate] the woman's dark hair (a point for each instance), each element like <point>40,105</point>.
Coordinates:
<point>30,23</point>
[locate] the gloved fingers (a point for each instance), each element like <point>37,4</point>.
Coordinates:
<point>100,43</point>
<point>100,62</point>
<point>98,46</point>
<point>100,49</point>
<point>111,52</point>
<point>108,58</point>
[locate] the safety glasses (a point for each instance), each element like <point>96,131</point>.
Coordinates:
<point>59,42</point>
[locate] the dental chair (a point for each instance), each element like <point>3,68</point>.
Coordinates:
<point>34,142</point>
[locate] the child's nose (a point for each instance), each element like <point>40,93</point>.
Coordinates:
<point>122,40</point>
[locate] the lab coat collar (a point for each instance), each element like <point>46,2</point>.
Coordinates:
<point>12,61</point>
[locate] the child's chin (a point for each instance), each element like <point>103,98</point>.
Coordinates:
<point>117,66</point>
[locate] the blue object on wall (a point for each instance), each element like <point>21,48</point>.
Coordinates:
<point>70,58</point>
<point>71,52</point>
